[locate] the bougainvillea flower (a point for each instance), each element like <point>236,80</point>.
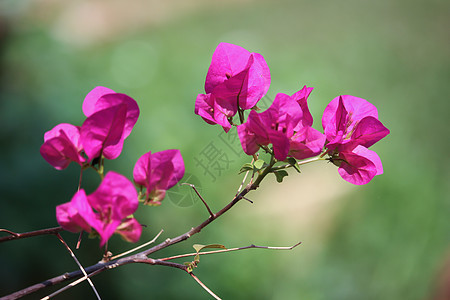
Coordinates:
<point>130,230</point>
<point>212,112</point>
<point>62,145</point>
<point>280,125</point>
<point>351,125</point>
<point>349,121</point>
<point>71,215</point>
<point>305,143</point>
<point>102,132</point>
<point>235,78</point>
<point>158,172</point>
<point>301,97</point>
<point>107,210</point>
<point>358,166</point>
<point>110,119</point>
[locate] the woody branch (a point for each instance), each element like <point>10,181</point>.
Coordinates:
<point>142,257</point>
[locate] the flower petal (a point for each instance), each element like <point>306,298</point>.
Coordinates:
<point>142,170</point>
<point>308,142</point>
<point>114,200</point>
<point>256,83</point>
<point>357,166</point>
<point>301,97</point>
<point>62,145</point>
<point>92,98</point>
<point>249,140</point>
<point>168,169</point>
<point>227,61</point>
<point>116,197</point>
<point>117,99</point>
<point>204,107</point>
<point>280,144</point>
<point>159,171</point>
<point>130,230</point>
<point>370,155</point>
<point>253,133</point>
<point>103,132</point>
<point>71,215</point>
<point>283,115</point>
<point>369,131</point>
<point>334,120</point>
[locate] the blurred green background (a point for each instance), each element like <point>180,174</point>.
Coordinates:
<point>389,239</point>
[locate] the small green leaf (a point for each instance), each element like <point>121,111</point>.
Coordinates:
<point>280,175</point>
<point>259,164</point>
<point>189,266</point>
<point>199,247</point>
<point>246,167</point>
<point>293,162</point>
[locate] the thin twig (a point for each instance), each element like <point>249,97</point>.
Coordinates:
<point>16,236</point>
<point>204,286</point>
<point>81,178</point>
<point>158,262</point>
<point>102,266</point>
<point>145,260</point>
<point>79,240</point>
<point>72,284</point>
<point>243,181</point>
<point>255,157</point>
<point>79,265</point>
<point>303,162</point>
<point>245,198</point>
<point>10,232</point>
<point>229,250</point>
<point>201,198</point>
<point>138,247</point>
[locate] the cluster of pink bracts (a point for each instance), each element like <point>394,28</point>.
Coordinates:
<point>235,82</point>
<point>238,79</point>
<point>110,119</point>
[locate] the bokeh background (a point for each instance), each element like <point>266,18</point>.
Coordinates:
<point>386,240</point>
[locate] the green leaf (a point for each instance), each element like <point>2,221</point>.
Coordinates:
<point>280,175</point>
<point>246,167</point>
<point>259,164</point>
<point>190,266</point>
<point>199,247</point>
<point>293,162</point>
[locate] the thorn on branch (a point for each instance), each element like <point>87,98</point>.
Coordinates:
<point>245,198</point>
<point>107,257</point>
<point>201,198</point>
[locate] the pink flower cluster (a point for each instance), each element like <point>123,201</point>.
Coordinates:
<point>238,79</point>
<point>158,172</point>
<point>286,124</point>
<point>113,201</point>
<point>351,126</point>
<point>110,118</point>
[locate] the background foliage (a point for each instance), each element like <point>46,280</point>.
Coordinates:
<point>386,240</point>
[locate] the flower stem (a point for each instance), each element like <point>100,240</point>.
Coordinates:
<point>303,162</point>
